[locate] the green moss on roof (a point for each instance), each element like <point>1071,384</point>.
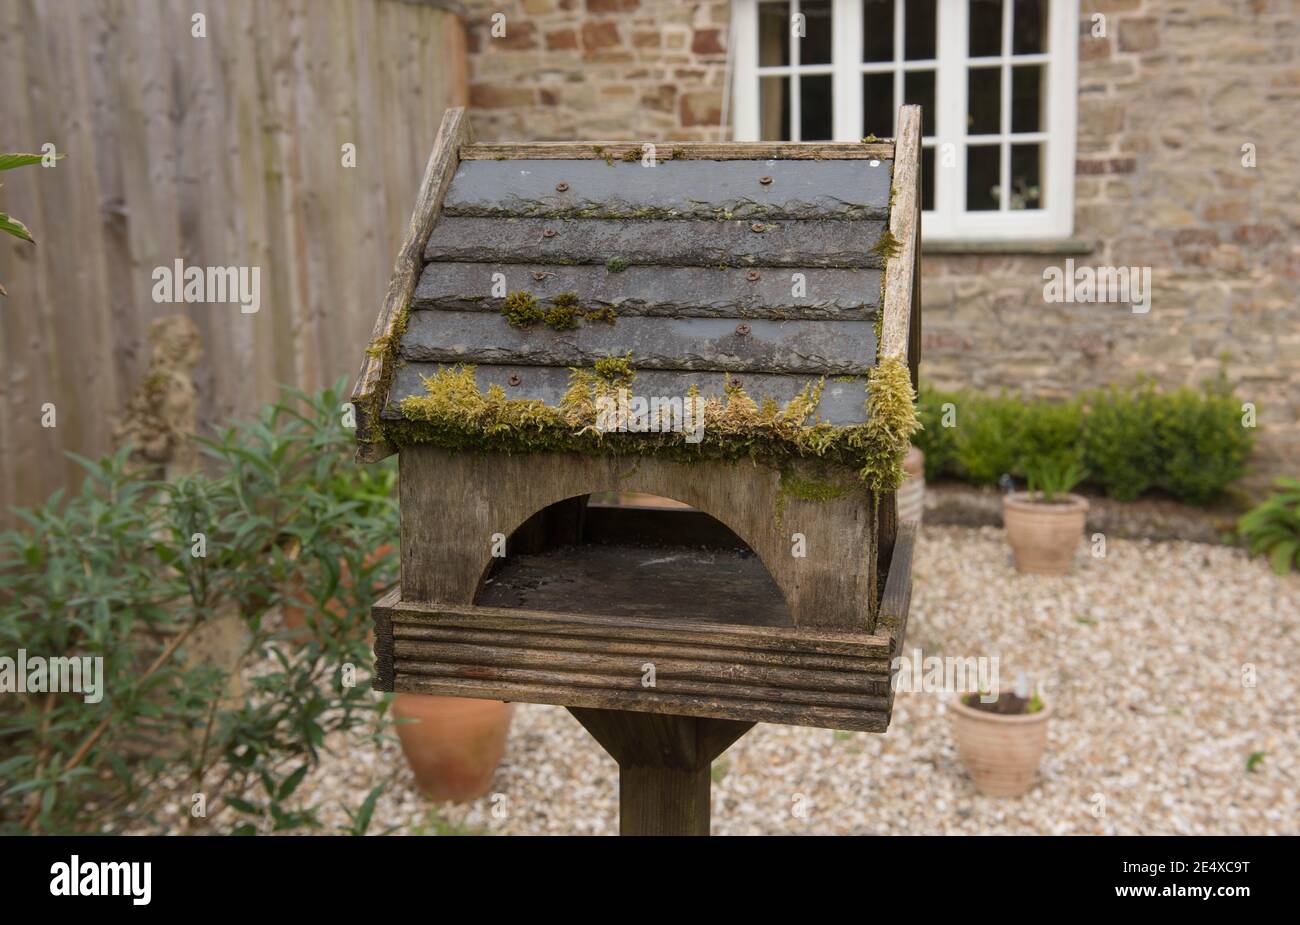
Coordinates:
<point>522,311</point>
<point>454,413</point>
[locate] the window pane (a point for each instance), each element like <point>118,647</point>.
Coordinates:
<point>815,107</point>
<point>1027,177</point>
<point>878,30</point>
<point>773,34</point>
<point>1027,98</point>
<point>983,166</point>
<point>984,101</point>
<point>878,105</point>
<point>919,40</point>
<point>815,48</point>
<point>927,179</point>
<point>918,87</point>
<point>774,108</point>
<point>1029,28</point>
<point>985,28</point>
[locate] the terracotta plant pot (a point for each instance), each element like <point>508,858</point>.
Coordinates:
<point>1044,535</point>
<point>911,494</point>
<point>1001,752</point>
<point>453,744</point>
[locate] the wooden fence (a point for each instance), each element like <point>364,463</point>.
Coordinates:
<point>221,150</point>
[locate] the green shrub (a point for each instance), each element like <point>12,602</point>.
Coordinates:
<point>1048,436</point>
<point>939,443</point>
<point>115,571</point>
<point>1189,443</point>
<point>1051,478</point>
<point>987,437</point>
<point>1273,528</point>
<point>1202,444</point>
<point>1119,439</point>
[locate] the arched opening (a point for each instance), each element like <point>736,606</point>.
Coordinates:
<point>635,555</point>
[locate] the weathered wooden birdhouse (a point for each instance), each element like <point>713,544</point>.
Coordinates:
<point>571,327</point>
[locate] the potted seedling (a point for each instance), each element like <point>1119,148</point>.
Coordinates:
<point>1001,739</point>
<point>1045,523</point>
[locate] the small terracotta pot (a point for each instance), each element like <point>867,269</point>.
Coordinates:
<point>1043,536</point>
<point>1001,753</point>
<point>453,744</point>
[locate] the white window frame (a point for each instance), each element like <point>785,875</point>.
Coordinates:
<point>949,220</point>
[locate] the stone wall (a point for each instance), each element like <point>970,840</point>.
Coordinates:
<point>609,70</point>
<point>1167,99</point>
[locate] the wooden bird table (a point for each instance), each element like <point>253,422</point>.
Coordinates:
<point>774,288</point>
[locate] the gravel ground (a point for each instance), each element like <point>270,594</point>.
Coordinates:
<point>1141,654</point>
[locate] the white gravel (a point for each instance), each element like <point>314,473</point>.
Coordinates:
<point>1141,652</point>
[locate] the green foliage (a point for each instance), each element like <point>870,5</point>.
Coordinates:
<point>1052,478</point>
<point>1189,442</point>
<point>1273,528</point>
<point>9,224</point>
<point>1119,439</point>
<point>617,264</point>
<point>112,572</point>
<point>937,442</point>
<point>988,428</point>
<point>1202,443</point>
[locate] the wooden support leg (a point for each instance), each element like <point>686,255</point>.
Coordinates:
<point>663,766</point>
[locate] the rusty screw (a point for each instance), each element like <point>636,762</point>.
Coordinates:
<point>548,232</point>
<point>539,275</point>
<point>757,227</point>
<point>766,181</point>
<point>514,379</point>
<point>561,187</point>
<point>742,329</point>
<point>752,275</point>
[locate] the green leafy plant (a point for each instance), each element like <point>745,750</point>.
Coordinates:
<point>1202,444</point>
<point>1052,479</point>
<point>937,442</point>
<point>140,572</point>
<point>1119,439</point>
<point>1273,528</point>
<point>987,437</point>
<point>1048,435</point>
<point>9,224</point>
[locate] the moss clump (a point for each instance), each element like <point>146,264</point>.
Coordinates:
<point>455,414</point>
<point>870,140</point>
<point>887,246</point>
<point>812,489</point>
<point>522,311</point>
<point>604,314</point>
<point>562,318</point>
<point>891,421</point>
<point>615,371</point>
<point>617,264</point>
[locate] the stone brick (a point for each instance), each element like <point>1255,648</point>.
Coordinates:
<point>647,39</point>
<point>561,39</point>
<point>500,96</point>
<point>519,36</point>
<point>1138,34</point>
<point>612,6</point>
<point>708,42</point>
<point>701,107</point>
<point>600,35</point>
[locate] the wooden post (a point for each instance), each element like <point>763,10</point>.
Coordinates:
<point>663,766</point>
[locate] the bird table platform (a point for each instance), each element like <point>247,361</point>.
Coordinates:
<point>735,327</point>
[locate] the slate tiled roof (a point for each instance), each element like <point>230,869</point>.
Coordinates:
<point>765,270</point>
